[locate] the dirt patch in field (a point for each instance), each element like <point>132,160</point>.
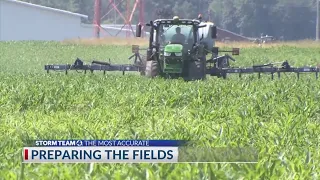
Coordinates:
<point>144,42</point>
<point>108,41</point>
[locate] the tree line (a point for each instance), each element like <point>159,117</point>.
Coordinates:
<point>285,19</point>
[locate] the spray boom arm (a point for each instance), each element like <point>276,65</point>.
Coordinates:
<point>264,68</point>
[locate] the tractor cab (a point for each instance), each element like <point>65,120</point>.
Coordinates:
<point>177,35</point>
<point>185,32</point>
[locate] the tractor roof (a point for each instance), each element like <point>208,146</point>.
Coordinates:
<point>179,21</point>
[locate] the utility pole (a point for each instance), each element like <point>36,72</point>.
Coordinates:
<point>115,14</point>
<point>97,18</point>
<point>318,21</point>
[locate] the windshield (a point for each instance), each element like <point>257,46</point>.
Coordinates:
<point>175,34</point>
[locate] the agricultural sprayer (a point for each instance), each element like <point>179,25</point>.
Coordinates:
<point>178,48</point>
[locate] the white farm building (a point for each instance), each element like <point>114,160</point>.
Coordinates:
<point>24,21</point>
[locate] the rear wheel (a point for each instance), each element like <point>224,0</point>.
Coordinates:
<point>152,69</point>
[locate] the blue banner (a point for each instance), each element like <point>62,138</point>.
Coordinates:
<point>141,143</point>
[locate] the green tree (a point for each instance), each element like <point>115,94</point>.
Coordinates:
<point>184,9</point>
<point>294,19</point>
<point>224,14</point>
<point>254,17</point>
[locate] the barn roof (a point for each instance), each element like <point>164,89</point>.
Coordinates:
<point>233,33</point>
<point>47,8</point>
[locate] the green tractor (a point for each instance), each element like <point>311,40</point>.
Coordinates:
<point>178,48</point>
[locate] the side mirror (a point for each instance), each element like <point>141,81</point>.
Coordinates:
<point>213,32</point>
<point>138,30</point>
<point>202,26</point>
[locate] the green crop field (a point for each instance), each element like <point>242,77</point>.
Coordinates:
<point>280,118</point>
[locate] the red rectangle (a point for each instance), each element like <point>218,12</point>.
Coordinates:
<point>26,154</point>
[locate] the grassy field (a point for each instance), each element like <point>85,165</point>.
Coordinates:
<point>280,118</point>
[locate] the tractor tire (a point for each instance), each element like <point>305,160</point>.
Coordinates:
<point>197,70</point>
<point>143,71</point>
<point>152,69</point>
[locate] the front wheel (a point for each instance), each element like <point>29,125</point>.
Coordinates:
<point>152,69</point>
